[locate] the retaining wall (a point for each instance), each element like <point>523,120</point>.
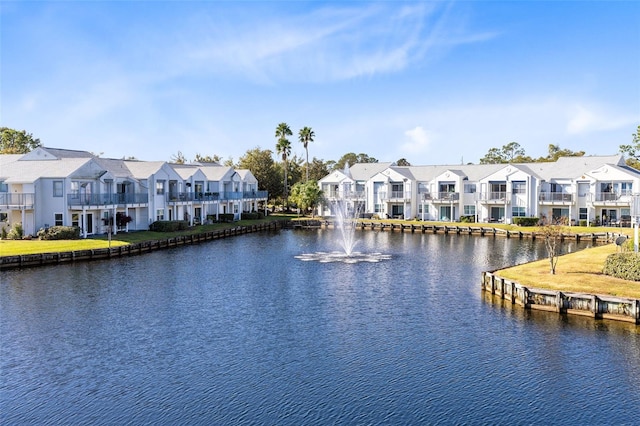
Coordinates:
<point>606,237</point>
<point>595,306</point>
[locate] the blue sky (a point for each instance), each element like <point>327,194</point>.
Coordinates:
<point>433,82</point>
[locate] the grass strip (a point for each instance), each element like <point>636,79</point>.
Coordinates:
<point>579,272</point>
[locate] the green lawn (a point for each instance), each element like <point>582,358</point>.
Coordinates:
<point>579,272</point>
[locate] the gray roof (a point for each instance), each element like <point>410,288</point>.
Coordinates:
<point>143,169</point>
<point>364,171</point>
<point>30,171</point>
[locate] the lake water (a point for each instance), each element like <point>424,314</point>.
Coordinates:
<point>240,331</point>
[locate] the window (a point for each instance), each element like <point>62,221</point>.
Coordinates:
<point>426,208</point>
<point>518,212</point>
<point>160,214</point>
<point>377,208</point>
<point>625,188</point>
<point>57,188</point>
<point>4,217</point>
<point>583,213</point>
<point>469,188</point>
<point>4,187</point>
<point>519,187</point>
<point>57,221</point>
<point>470,210</point>
<point>75,219</point>
<point>160,187</point>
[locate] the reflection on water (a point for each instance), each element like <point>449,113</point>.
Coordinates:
<point>241,331</point>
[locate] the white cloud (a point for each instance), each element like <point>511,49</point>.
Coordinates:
<point>586,119</point>
<point>418,141</point>
<point>328,44</point>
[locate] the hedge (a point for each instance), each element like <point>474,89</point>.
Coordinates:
<point>252,215</point>
<point>59,233</point>
<point>468,219</point>
<point>623,265</point>
<point>169,225</point>
<point>526,221</point>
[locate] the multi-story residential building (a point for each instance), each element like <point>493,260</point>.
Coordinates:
<point>595,189</point>
<point>49,186</point>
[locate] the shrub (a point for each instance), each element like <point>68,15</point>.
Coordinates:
<point>468,219</point>
<point>526,221</point>
<point>252,215</point>
<point>226,217</point>
<point>169,225</point>
<point>16,232</point>
<point>582,222</point>
<point>59,233</point>
<point>3,233</point>
<point>623,265</point>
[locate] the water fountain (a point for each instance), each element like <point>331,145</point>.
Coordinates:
<point>346,213</point>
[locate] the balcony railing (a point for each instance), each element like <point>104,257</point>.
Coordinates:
<point>254,195</point>
<point>347,195</point>
<point>607,196</point>
<point>425,196</point>
<point>448,196</point>
<point>16,199</point>
<point>555,197</point>
<point>107,199</point>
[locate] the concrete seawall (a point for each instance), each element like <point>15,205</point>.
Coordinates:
<point>600,237</point>
<point>591,305</point>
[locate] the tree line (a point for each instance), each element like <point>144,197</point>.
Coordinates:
<point>296,178</point>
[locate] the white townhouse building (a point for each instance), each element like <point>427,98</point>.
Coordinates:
<point>50,186</point>
<point>593,189</point>
<point>353,184</point>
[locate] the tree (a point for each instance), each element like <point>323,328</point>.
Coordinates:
<point>318,169</point>
<point>305,136</point>
<point>260,163</point>
<point>351,159</point>
<point>632,151</point>
<point>402,162</point>
<point>306,195</point>
<point>556,152</point>
<point>551,231</point>
<point>208,159</point>
<point>17,142</point>
<point>509,153</point>
<point>179,158</point>
<point>283,148</point>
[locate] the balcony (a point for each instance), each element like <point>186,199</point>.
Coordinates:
<point>191,197</point>
<point>16,200</point>
<point>121,199</point>
<point>395,196</point>
<point>447,197</point>
<point>555,198</point>
<point>344,195</point>
<point>255,195</point>
<point>612,198</point>
<point>494,197</point>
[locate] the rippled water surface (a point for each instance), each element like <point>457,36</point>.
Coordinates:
<point>240,331</point>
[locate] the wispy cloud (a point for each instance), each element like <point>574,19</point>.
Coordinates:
<point>592,118</point>
<point>329,44</point>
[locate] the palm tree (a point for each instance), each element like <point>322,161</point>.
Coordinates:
<point>306,135</point>
<point>283,147</point>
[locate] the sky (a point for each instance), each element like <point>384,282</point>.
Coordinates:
<point>433,82</point>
